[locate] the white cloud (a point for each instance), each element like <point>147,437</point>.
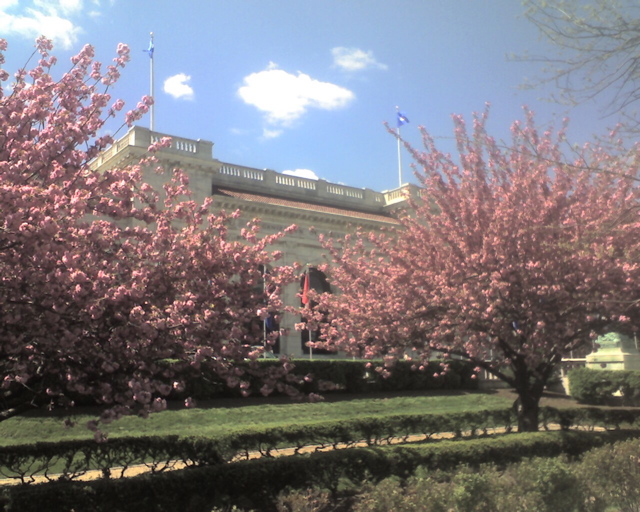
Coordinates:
<point>51,18</point>
<point>302,173</point>
<point>355,59</point>
<point>237,131</point>
<point>53,7</point>
<point>268,133</point>
<point>178,87</point>
<point>285,97</point>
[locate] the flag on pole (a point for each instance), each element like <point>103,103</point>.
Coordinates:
<point>305,290</point>
<point>150,49</point>
<point>402,119</point>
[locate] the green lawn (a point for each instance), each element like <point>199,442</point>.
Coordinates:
<point>233,414</point>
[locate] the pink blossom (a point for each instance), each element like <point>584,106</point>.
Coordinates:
<point>107,300</point>
<point>118,105</point>
<point>509,255</point>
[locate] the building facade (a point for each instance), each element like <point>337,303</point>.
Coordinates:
<point>278,200</point>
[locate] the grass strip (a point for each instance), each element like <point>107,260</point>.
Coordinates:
<point>232,415</point>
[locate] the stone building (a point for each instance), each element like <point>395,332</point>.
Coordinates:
<point>279,200</point>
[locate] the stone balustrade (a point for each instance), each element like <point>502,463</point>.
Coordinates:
<point>263,181</point>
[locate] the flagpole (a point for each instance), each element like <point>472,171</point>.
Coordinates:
<point>151,85</point>
<point>264,298</point>
<point>307,305</point>
<point>400,117</point>
<point>399,160</point>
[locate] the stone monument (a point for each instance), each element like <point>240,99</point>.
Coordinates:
<point>615,352</point>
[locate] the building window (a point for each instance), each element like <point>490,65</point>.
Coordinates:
<point>318,282</point>
<point>268,330</point>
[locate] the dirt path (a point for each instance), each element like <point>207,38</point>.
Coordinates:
<point>549,399</point>
<point>119,472</point>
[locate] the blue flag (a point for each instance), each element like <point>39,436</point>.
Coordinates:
<point>150,50</point>
<point>402,119</point>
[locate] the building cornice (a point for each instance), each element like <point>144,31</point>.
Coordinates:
<point>297,214</point>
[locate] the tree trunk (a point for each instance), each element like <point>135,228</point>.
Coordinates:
<point>526,407</point>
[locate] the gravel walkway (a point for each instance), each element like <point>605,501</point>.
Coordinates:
<point>551,399</point>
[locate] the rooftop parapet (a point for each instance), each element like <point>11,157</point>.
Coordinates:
<point>273,183</point>
<point>264,181</point>
<point>143,137</point>
<point>402,194</point>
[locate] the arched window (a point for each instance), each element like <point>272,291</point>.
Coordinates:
<point>318,282</point>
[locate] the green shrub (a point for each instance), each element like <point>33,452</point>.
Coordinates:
<point>470,490</point>
<point>611,476</point>
<point>307,500</point>
<point>590,417</point>
<point>540,484</point>
<point>255,484</point>
<point>73,458</point>
<point>392,494</point>
<point>605,387</point>
<point>630,388</point>
<point>607,479</point>
<point>346,376</point>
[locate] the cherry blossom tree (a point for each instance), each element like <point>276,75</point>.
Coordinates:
<point>110,289</point>
<point>513,258</point>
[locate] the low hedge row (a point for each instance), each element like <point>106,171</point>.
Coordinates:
<point>254,484</point>
<point>71,459</point>
<point>590,418</point>
<point>347,377</point>
<point>605,387</point>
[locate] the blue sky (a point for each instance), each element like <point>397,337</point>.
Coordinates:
<point>307,84</point>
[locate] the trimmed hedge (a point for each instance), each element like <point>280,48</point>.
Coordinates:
<point>347,377</point>
<point>70,460</point>
<point>605,387</point>
<point>590,418</point>
<point>254,484</point>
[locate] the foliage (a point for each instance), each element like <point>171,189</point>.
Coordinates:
<point>310,500</point>
<point>467,490</point>
<point>226,416</point>
<point>590,418</point>
<point>605,387</point>
<point>539,484</point>
<point>70,460</point>
<point>256,484</point>
<point>594,387</point>
<point>512,259</point>
<point>104,278</point>
<point>611,475</point>
<point>328,377</point>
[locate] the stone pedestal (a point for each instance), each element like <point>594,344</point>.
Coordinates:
<point>615,352</point>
